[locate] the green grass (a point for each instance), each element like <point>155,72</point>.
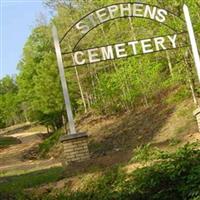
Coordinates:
<point>174,141</point>
<point>145,153</point>
<point>49,143</point>
<point>174,176</point>
<point>7,141</point>
<point>181,94</point>
<point>14,185</point>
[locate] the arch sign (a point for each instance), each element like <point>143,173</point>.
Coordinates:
<point>124,49</point>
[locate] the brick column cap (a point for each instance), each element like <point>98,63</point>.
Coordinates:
<point>197,111</point>
<point>73,137</point>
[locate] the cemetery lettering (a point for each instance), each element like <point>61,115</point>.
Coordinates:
<point>120,50</point>
<point>123,50</point>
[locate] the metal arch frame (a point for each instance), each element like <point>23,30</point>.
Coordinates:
<point>65,53</point>
<point>117,19</point>
<point>169,49</point>
<point>61,66</point>
<point>66,33</point>
<point>130,56</point>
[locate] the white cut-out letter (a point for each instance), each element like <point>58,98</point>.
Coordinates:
<point>120,50</point>
<point>102,15</point>
<point>125,8</point>
<point>146,46</point>
<point>150,12</point>
<point>107,53</point>
<point>133,44</point>
<point>93,55</point>
<point>159,43</point>
<point>112,10</point>
<point>77,59</point>
<point>173,40</point>
<point>161,15</point>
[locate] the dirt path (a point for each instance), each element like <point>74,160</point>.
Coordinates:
<point>12,158</point>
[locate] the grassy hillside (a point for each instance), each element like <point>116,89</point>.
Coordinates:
<point>147,148</point>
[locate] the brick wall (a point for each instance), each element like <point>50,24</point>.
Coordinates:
<point>198,121</point>
<point>75,148</point>
<point>197,115</point>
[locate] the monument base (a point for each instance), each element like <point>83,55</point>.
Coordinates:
<point>196,113</point>
<point>75,148</point>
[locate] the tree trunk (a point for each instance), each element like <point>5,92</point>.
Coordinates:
<point>79,85</point>
<point>81,89</point>
<point>93,85</point>
<point>169,63</point>
<point>132,29</point>
<point>193,92</point>
<point>47,129</point>
<point>190,81</point>
<point>88,100</point>
<point>146,101</point>
<point>64,123</point>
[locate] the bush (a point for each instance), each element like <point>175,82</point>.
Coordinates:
<point>181,94</point>
<point>146,153</point>
<point>12,187</point>
<point>175,176</point>
<point>7,141</point>
<point>49,143</point>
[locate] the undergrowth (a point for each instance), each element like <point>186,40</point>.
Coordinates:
<point>173,176</point>
<point>49,143</point>
<point>12,187</point>
<point>169,176</point>
<point>7,141</point>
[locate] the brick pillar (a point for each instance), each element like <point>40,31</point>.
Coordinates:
<point>196,113</point>
<point>75,148</point>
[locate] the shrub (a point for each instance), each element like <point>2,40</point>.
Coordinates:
<point>7,141</point>
<point>175,176</point>
<point>49,143</point>
<point>146,153</point>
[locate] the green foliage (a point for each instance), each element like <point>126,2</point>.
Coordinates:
<point>175,176</point>
<point>48,143</point>
<point>6,141</point>
<point>9,103</point>
<point>180,95</point>
<point>146,153</point>
<point>127,84</point>
<point>174,142</point>
<point>38,80</point>
<point>108,87</point>
<point>12,187</point>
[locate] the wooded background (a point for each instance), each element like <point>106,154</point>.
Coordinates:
<point>106,88</point>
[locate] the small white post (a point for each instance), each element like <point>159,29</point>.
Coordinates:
<point>192,39</point>
<point>72,129</point>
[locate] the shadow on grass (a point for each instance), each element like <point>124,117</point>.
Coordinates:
<point>14,185</point>
<point>7,141</point>
<point>120,138</point>
<point>130,131</point>
<point>17,129</point>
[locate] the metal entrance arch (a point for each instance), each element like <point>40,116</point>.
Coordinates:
<point>82,34</point>
<point>118,17</point>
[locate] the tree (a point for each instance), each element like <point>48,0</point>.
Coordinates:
<point>9,103</point>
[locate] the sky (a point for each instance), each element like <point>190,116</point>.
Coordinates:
<point>18,17</point>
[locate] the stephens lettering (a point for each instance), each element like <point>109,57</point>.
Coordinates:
<point>121,10</point>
